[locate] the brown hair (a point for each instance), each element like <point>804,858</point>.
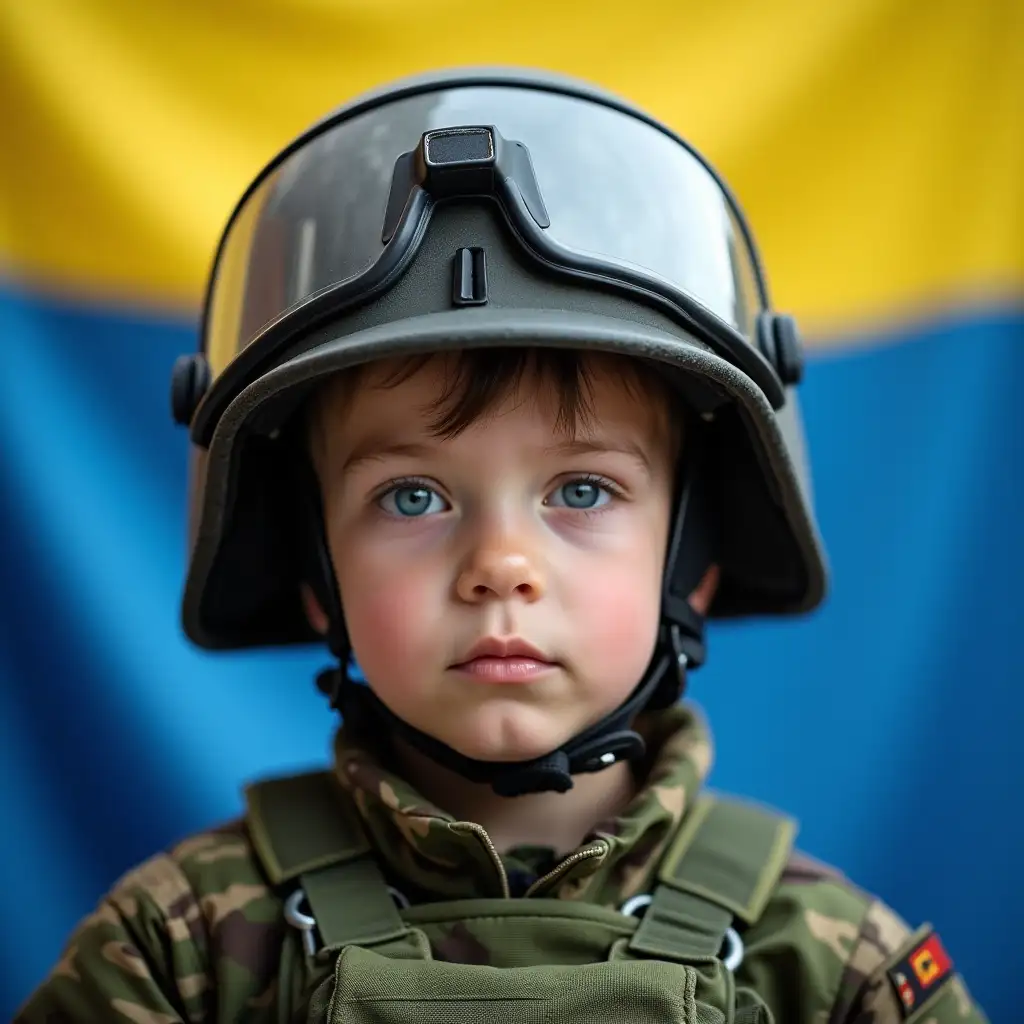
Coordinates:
<point>478,380</point>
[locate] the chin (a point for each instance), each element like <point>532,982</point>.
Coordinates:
<point>503,754</point>
<point>506,742</point>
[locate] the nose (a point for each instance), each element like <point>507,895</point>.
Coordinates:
<point>500,569</point>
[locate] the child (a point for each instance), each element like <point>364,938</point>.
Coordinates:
<point>491,400</point>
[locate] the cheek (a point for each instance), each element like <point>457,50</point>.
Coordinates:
<point>389,613</point>
<point>616,616</point>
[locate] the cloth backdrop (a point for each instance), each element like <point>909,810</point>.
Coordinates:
<point>878,147</point>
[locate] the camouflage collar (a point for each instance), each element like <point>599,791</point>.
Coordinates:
<point>430,852</point>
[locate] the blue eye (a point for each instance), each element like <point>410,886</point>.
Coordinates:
<point>412,501</point>
<point>580,494</point>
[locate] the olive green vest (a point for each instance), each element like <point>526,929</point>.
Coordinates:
<point>367,956</point>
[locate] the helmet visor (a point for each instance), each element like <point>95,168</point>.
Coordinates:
<point>602,187</point>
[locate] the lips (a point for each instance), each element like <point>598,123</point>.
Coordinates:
<point>504,647</point>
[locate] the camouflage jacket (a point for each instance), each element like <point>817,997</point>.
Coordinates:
<point>198,934</point>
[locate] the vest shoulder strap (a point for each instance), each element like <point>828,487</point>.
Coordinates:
<point>301,823</point>
<point>306,832</point>
<point>722,866</point>
<point>730,852</point>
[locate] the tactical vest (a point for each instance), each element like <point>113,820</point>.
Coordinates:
<point>366,955</point>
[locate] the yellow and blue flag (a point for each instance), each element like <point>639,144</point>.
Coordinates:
<point>878,149</point>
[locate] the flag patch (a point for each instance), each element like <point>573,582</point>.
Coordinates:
<point>921,973</point>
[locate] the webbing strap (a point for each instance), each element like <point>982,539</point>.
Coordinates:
<point>352,905</point>
<point>678,926</point>
<point>731,853</point>
<point>301,823</point>
<point>722,865</point>
<point>304,829</point>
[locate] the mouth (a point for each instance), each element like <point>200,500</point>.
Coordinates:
<point>504,660</point>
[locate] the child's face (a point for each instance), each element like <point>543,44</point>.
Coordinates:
<point>512,529</point>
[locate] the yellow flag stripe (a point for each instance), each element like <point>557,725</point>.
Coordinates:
<point>877,145</point>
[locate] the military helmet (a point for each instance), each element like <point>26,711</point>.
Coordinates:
<point>479,208</point>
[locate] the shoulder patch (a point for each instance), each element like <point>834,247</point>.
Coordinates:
<point>921,973</point>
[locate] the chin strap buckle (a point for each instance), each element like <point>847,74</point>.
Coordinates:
<point>682,659</point>
<point>550,774</point>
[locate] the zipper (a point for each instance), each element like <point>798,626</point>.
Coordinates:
<point>598,848</point>
<point>492,853</point>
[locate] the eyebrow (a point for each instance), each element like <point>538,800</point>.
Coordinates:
<point>583,446</point>
<point>375,449</point>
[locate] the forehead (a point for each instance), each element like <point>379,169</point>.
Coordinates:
<point>388,397</point>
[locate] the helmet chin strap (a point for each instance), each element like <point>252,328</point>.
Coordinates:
<point>603,744</point>
<point>679,647</point>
